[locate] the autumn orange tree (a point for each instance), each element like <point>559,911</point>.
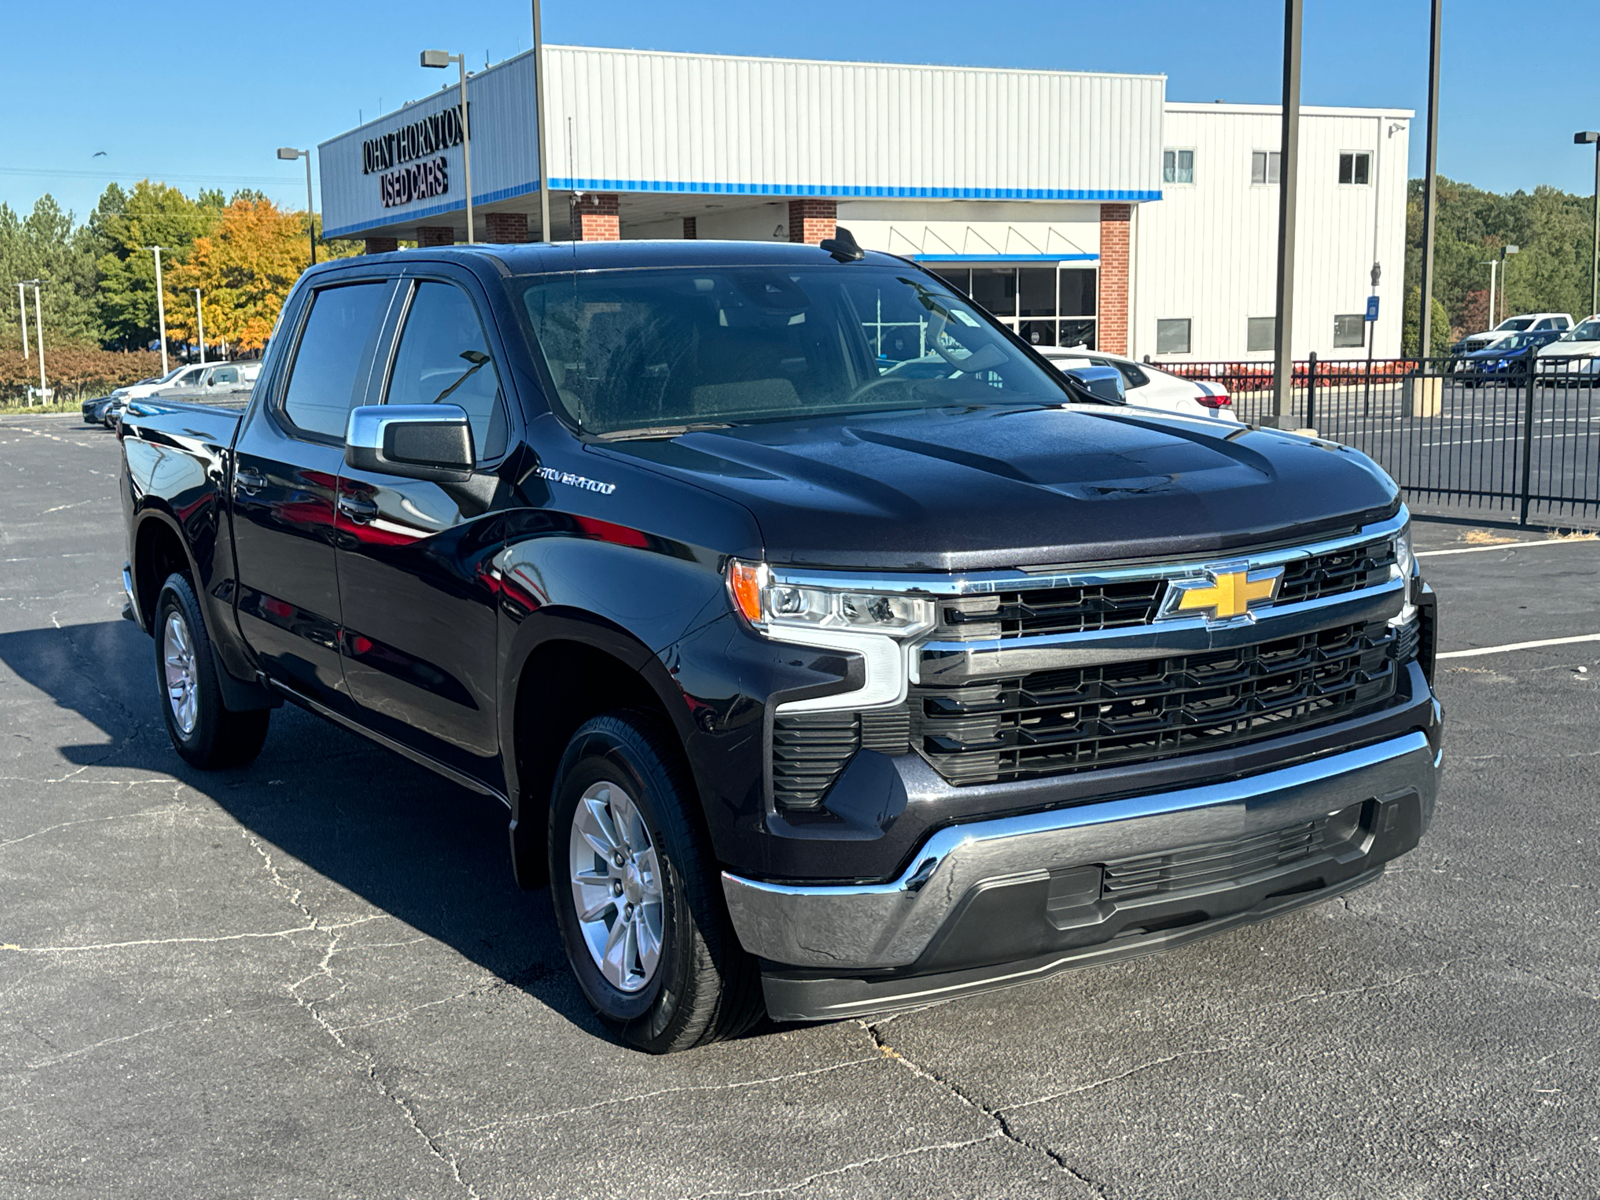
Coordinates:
<point>244,269</point>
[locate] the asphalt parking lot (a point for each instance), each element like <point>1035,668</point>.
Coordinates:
<point>315,977</point>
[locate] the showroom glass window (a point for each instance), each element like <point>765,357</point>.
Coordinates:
<point>1047,304</point>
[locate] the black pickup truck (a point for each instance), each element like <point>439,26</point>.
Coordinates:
<point>831,652</point>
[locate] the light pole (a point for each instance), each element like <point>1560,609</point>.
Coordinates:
<point>38,328</point>
<point>161,308</point>
<point>1288,185</point>
<point>538,125</point>
<point>289,154</point>
<point>1505,274</point>
<point>1584,139</point>
<point>200,322</point>
<point>1494,265</point>
<point>438,58</point>
<point>22,310</point>
<point>1430,187</point>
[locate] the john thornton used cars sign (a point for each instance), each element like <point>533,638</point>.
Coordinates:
<point>416,146</point>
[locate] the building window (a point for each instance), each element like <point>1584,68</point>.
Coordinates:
<point>1050,305</point>
<point>1262,334</point>
<point>1177,166</point>
<point>1354,167</point>
<point>1172,335</point>
<point>1264,166</point>
<point>1350,330</point>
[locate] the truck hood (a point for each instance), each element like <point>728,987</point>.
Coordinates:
<point>988,488</point>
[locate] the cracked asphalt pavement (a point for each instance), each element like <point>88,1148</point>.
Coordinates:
<point>316,978</point>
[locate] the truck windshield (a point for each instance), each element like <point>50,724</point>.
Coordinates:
<point>650,352</point>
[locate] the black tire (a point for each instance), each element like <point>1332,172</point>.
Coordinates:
<point>217,736</point>
<point>704,986</point>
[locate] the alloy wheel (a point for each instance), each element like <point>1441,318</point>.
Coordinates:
<point>616,886</point>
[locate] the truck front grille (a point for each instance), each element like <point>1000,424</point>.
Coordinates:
<point>1088,608</point>
<point>1057,722</point>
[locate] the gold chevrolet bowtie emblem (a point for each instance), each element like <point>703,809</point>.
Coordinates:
<point>1228,594</point>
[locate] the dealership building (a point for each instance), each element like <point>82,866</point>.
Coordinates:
<point>1079,208</point>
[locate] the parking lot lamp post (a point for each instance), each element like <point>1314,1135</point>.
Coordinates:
<point>1494,265</point>
<point>200,323</point>
<point>438,58</point>
<point>22,311</point>
<point>161,309</point>
<point>1505,276</point>
<point>38,329</point>
<point>1584,139</point>
<point>289,154</point>
<point>1288,184</point>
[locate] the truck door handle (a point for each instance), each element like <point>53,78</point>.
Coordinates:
<point>248,479</point>
<point>358,508</point>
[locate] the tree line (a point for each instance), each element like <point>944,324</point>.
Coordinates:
<point>1554,231</point>
<point>98,288</point>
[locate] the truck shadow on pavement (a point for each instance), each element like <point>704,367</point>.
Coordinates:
<point>429,853</point>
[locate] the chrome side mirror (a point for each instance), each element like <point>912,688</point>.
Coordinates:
<point>1103,383</point>
<point>417,441</point>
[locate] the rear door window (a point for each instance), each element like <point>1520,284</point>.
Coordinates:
<point>444,358</point>
<point>329,375</point>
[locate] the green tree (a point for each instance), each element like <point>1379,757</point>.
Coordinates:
<point>48,245</point>
<point>125,225</point>
<point>1438,336</point>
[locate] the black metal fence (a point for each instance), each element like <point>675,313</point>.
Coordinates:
<point>1519,435</point>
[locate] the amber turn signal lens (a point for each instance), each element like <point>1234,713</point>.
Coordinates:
<point>744,584</point>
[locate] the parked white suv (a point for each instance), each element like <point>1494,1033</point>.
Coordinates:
<point>1533,322</point>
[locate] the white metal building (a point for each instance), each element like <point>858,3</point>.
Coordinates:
<point>1078,207</point>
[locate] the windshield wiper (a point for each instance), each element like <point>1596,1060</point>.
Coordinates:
<point>660,431</point>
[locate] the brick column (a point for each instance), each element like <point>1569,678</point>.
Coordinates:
<point>381,245</point>
<point>594,219</point>
<point>1115,222</point>
<point>811,221</point>
<point>435,235</point>
<point>506,228</point>
<point>690,228</point>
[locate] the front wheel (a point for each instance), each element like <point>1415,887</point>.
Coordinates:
<point>205,732</point>
<point>637,896</point>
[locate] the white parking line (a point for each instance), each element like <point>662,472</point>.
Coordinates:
<point>1566,641</point>
<point>1511,545</point>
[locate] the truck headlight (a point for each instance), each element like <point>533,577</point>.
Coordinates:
<point>1405,567</point>
<point>803,609</point>
<point>770,601</point>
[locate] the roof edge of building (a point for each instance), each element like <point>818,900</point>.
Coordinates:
<point>1306,110</point>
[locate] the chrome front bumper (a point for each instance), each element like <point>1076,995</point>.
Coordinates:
<point>841,928</point>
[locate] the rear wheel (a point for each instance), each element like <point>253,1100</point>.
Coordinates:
<point>204,731</point>
<point>637,896</point>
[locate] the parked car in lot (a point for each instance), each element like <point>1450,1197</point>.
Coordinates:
<point>811,679</point>
<point>209,382</point>
<point>1474,342</point>
<point>1504,361</point>
<point>1574,357</point>
<point>1535,322</point>
<point>1148,386</point>
<point>94,410</point>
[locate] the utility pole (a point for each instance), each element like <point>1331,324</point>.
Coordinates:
<point>1288,185</point>
<point>161,310</point>
<point>438,58</point>
<point>38,328</point>
<point>22,309</point>
<point>538,126</point>
<point>289,154</point>
<point>1430,187</point>
<point>200,322</point>
<point>1579,139</point>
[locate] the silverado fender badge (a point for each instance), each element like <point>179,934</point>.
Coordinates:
<point>577,481</point>
<point>1226,592</point>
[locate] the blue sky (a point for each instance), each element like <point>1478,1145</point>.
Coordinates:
<point>203,94</point>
